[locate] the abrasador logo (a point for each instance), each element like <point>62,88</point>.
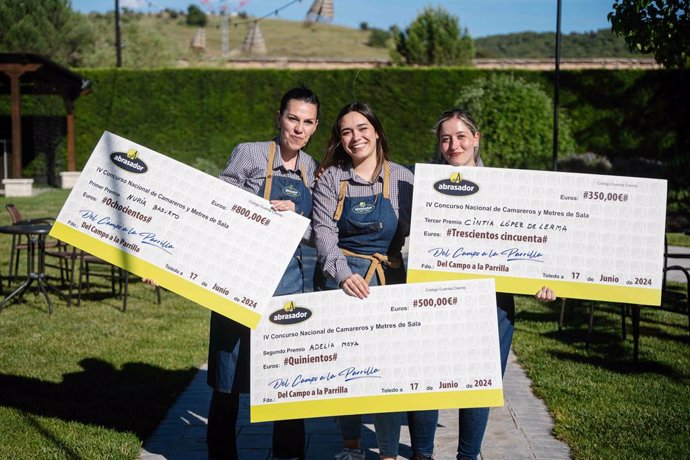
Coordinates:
<point>363,207</point>
<point>291,191</point>
<point>456,186</point>
<point>290,314</point>
<point>129,161</point>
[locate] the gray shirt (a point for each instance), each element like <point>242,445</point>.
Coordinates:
<point>331,259</point>
<point>247,168</point>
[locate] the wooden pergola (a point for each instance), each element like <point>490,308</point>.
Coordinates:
<point>24,74</point>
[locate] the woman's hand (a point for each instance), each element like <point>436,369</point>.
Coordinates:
<point>355,286</point>
<point>283,205</point>
<point>150,282</point>
<point>545,294</point>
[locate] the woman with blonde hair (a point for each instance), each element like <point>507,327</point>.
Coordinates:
<point>458,136</point>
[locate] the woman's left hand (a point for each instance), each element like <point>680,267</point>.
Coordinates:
<point>545,294</point>
<point>283,205</point>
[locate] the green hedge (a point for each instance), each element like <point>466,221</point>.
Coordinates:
<point>191,113</point>
<point>202,113</point>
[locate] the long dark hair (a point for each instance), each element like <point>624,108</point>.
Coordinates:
<point>336,154</point>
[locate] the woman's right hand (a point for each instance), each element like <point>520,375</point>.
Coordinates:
<point>355,286</point>
<point>150,282</point>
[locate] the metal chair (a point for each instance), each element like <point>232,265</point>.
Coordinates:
<point>65,256</point>
<point>90,266</point>
<point>124,299</point>
<point>18,243</point>
<point>673,299</point>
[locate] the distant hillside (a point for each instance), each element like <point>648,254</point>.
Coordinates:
<point>170,37</point>
<point>160,40</point>
<point>599,44</point>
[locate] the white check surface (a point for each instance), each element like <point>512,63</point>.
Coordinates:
<point>405,347</point>
<point>587,236</point>
<point>192,233</point>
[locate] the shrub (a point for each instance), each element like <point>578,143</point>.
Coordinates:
<point>378,38</point>
<point>49,28</point>
<point>196,17</point>
<point>516,122</point>
<point>37,169</point>
<point>207,165</point>
<point>589,162</point>
<point>434,38</point>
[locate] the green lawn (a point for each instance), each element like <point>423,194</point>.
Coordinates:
<point>606,406</point>
<point>91,382</point>
<point>678,239</point>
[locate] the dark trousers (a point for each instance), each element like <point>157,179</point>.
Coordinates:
<point>221,434</point>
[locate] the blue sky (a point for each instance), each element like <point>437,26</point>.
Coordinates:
<point>480,17</point>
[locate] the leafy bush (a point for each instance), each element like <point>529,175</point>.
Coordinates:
<point>589,162</point>
<point>38,168</point>
<point>196,17</point>
<point>639,167</point>
<point>47,27</point>
<point>378,38</point>
<point>516,122</point>
<point>143,47</point>
<point>207,165</point>
<point>433,39</point>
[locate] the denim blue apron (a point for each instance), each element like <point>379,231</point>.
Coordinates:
<point>228,354</point>
<point>369,237</point>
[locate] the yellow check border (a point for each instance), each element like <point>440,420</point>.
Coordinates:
<point>164,278</point>
<point>564,289</point>
<point>376,404</point>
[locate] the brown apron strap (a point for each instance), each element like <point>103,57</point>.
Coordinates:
<point>304,175</point>
<point>378,261</point>
<point>386,179</point>
<point>343,188</point>
<point>341,200</point>
<point>269,170</point>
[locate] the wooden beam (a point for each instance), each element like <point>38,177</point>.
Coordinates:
<point>15,71</point>
<point>71,143</point>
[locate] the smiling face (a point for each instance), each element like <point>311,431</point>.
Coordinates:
<point>297,123</point>
<point>457,143</point>
<point>358,137</point>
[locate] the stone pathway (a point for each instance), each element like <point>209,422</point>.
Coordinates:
<point>521,429</point>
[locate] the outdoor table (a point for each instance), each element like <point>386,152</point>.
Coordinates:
<point>35,270</point>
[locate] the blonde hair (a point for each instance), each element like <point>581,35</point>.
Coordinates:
<point>464,116</point>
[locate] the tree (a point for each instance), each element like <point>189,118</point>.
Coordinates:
<point>661,27</point>
<point>378,38</point>
<point>516,119</point>
<point>434,38</point>
<point>46,27</point>
<point>196,17</point>
<point>142,46</point>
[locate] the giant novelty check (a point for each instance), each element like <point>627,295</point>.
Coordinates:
<point>193,234</point>
<point>585,236</point>
<point>405,347</point>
